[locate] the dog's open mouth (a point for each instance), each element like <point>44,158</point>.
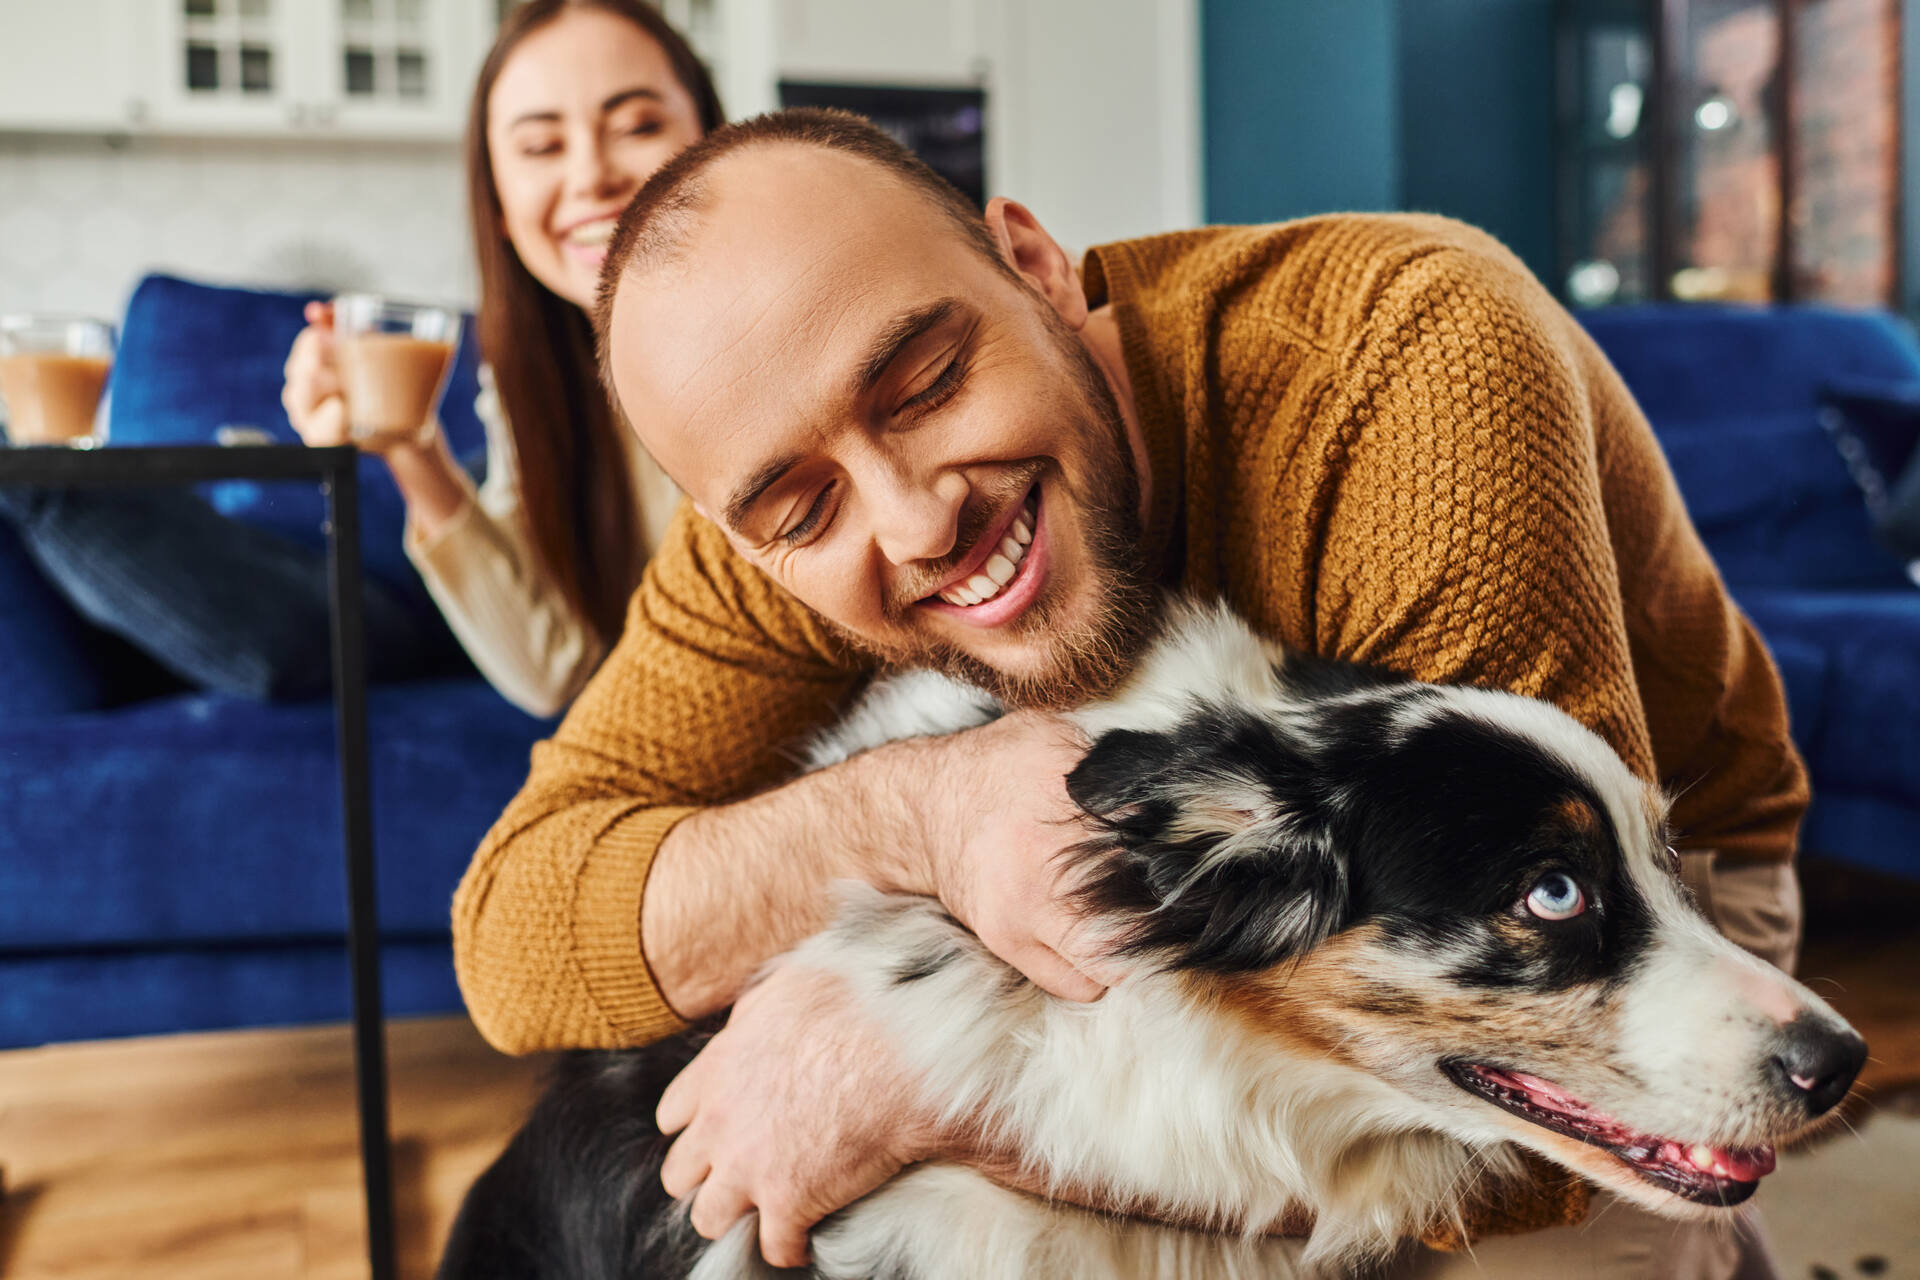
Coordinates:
<point>1706,1175</point>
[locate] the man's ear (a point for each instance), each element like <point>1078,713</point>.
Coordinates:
<point>1038,257</point>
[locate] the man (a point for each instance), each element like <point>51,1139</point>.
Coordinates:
<point>914,435</point>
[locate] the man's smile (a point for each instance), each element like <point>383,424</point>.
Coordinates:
<point>1003,575</point>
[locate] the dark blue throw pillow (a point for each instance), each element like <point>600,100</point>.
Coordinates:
<point>1876,427</point>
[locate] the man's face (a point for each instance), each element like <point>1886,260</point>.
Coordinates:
<point>907,437</point>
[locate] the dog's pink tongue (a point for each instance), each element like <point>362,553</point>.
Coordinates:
<point>1747,1166</point>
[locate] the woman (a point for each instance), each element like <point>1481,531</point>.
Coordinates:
<point>578,102</point>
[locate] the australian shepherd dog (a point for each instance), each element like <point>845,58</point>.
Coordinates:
<point>1390,936</point>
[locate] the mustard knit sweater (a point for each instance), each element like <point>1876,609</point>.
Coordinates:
<point>1377,437</point>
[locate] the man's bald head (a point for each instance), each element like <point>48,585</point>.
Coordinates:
<point>659,222</point>
<point>871,389</point>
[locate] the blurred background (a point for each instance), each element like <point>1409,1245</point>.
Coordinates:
<point>315,143</point>
<point>1723,190</point>
<point>1627,150</point>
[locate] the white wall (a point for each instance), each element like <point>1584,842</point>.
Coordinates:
<point>1094,115</point>
<point>83,218</point>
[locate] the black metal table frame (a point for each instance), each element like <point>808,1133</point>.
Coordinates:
<point>336,470</point>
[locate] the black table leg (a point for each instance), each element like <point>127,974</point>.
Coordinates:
<point>363,921</point>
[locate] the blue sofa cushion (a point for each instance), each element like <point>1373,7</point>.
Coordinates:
<point>1706,365</point>
<point>1734,394</point>
<point>1876,427</point>
<point>46,649</point>
<point>200,819</point>
<point>194,358</point>
<point>1864,738</point>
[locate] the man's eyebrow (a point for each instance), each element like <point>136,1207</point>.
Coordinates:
<point>896,337</point>
<point>624,96</point>
<point>885,348</point>
<point>755,487</point>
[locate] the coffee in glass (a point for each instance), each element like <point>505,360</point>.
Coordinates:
<point>52,371</point>
<point>393,359</point>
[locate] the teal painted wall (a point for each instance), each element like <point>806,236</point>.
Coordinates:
<point>1302,107</point>
<point>1439,105</point>
<point>1476,117</point>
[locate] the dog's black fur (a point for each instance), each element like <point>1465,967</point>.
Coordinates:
<point>577,1192</point>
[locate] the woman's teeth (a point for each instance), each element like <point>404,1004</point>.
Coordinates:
<point>592,234</point>
<point>998,571</point>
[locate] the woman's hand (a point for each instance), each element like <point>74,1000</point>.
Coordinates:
<point>312,394</point>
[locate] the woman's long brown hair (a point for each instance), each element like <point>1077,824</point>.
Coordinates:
<point>574,481</point>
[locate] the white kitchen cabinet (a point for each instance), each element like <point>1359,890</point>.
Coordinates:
<point>315,68</point>
<point>221,66</point>
<point>1091,106</point>
<point>286,69</point>
<point>69,65</point>
<point>397,67</point>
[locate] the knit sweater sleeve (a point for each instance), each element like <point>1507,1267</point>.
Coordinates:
<point>1459,534</point>
<point>716,673</point>
<point>499,600</point>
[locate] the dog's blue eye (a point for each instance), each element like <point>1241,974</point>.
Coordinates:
<point>1555,896</point>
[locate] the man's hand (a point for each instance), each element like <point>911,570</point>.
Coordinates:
<point>796,1109</point>
<point>999,822</point>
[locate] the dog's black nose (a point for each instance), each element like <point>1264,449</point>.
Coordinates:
<point>1816,1062</point>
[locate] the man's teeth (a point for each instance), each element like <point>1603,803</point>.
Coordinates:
<point>592,233</point>
<point>997,572</point>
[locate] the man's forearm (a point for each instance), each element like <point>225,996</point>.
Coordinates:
<point>735,885</point>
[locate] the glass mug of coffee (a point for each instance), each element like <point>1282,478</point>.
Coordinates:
<point>393,358</point>
<point>52,371</point>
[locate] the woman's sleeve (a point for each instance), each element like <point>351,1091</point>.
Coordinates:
<point>500,601</point>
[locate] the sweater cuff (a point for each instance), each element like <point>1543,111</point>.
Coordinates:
<point>426,550</point>
<point>606,926</point>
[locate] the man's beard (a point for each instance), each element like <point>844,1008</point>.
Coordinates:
<point>1088,658</point>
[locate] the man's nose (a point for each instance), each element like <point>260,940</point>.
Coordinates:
<point>918,520</point>
<point>1815,1061</point>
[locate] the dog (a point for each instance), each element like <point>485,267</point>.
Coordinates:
<point>1388,936</point>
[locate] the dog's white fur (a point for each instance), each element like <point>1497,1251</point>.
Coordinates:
<point>1157,1099</point>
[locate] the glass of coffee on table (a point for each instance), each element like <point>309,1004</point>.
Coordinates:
<point>52,371</point>
<point>393,359</point>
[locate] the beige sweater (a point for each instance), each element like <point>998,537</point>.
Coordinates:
<point>499,600</point>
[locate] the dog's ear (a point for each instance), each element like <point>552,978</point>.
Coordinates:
<point>1210,848</point>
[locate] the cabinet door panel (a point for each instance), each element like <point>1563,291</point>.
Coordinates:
<point>396,68</point>
<point>225,66</point>
<point>80,73</point>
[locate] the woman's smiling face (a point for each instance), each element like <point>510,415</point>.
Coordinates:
<point>583,112</point>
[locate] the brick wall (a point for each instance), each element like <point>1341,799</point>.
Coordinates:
<point>1846,171</point>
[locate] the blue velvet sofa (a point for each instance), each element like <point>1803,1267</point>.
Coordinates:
<point>1735,395</point>
<point>173,862</point>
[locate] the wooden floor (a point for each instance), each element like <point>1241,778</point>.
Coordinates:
<point>234,1155</point>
